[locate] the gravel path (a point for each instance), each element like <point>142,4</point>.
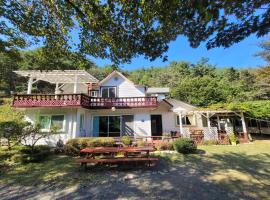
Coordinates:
<point>159,182</point>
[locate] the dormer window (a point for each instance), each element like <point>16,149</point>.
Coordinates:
<point>108,92</point>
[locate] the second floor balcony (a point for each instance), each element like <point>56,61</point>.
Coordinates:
<point>81,100</point>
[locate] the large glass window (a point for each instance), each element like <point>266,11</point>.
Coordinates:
<point>108,92</point>
<point>109,126</point>
<point>47,122</point>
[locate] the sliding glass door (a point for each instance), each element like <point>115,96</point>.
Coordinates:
<point>109,126</point>
<point>113,126</point>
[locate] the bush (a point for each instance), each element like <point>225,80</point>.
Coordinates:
<point>185,145</point>
<point>166,136</point>
<point>163,145</point>
<point>126,140</point>
<point>40,153</point>
<point>73,146</point>
<point>210,142</point>
<point>141,143</point>
<point>232,138</point>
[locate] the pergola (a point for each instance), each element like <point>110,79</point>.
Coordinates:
<point>57,77</point>
<point>209,113</point>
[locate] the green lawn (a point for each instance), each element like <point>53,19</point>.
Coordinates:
<point>244,167</point>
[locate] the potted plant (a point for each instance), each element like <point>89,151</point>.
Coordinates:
<point>233,139</point>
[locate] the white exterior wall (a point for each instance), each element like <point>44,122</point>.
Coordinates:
<point>125,88</point>
<point>71,122</point>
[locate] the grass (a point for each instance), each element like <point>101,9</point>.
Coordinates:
<point>57,170</point>
<point>244,168</point>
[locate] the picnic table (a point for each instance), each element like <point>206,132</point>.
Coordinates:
<point>131,154</point>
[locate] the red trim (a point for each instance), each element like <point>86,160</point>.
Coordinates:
<point>82,100</point>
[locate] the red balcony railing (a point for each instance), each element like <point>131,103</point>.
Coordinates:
<point>50,100</point>
<point>123,102</point>
<point>64,100</point>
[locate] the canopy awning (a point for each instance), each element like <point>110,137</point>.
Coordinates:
<point>59,76</point>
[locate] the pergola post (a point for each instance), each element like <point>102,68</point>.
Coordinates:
<point>243,123</point>
<point>180,123</point>
<point>218,121</point>
<point>29,87</point>
<point>208,120</point>
<point>56,88</point>
<point>75,84</point>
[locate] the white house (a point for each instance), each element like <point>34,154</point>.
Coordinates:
<point>82,106</point>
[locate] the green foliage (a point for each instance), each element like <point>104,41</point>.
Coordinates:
<point>121,30</point>
<point>126,140</point>
<point>73,146</point>
<point>11,131</point>
<point>257,109</point>
<point>185,145</point>
<point>163,145</point>
<point>233,138</point>
<point>8,113</point>
<point>166,136</point>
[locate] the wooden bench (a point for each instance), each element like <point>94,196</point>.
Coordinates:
<point>84,161</point>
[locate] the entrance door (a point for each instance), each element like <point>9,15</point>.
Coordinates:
<point>156,125</point>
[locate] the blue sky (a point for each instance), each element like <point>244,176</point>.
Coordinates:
<point>240,55</point>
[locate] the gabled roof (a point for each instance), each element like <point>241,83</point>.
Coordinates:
<point>59,76</point>
<point>158,90</point>
<point>180,105</point>
<point>115,72</point>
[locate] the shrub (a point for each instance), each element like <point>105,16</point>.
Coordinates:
<point>184,145</point>
<point>141,143</point>
<point>232,138</point>
<point>210,142</point>
<point>73,146</point>
<point>126,140</point>
<point>40,153</point>
<point>71,150</point>
<point>163,145</point>
<point>166,136</point>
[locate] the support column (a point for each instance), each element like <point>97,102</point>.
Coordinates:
<point>56,91</point>
<point>30,83</point>
<point>180,123</point>
<point>75,84</point>
<point>244,127</point>
<point>218,121</point>
<point>208,121</point>
<point>243,123</point>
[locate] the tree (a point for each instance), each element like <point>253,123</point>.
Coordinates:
<point>120,30</point>
<point>11,131</point>
<point>32,133</point>
<point>265,53</point>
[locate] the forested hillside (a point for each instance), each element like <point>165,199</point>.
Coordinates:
<point>198,83</point>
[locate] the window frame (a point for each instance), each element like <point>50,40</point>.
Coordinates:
<point>50,125</point>
<point>108,93</point>
<point>96,92</point>
<point>177,122</point>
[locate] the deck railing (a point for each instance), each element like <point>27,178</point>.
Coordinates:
<point>63,100</point>
<point>123,102</point>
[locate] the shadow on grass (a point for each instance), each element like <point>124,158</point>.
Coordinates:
<point>229,175</point>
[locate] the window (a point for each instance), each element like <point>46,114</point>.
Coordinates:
<point>109,126</point>
<point>94,93</point>
<point>188,120</point>
<point>47,122</point>
<point>108,92</point>
<point>81,122</point>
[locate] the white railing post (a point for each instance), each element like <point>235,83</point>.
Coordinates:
<point>75,84</point>
<point>180,123</point>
